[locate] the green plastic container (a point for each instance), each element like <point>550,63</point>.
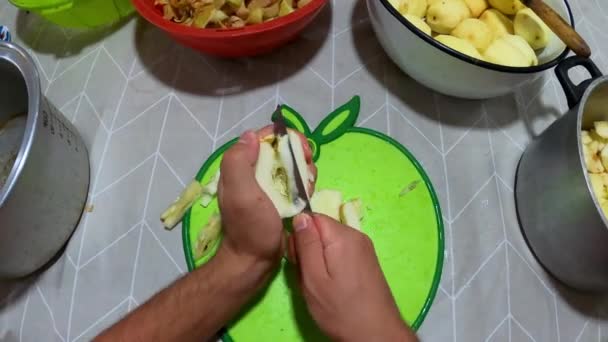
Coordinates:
<point>78,13</point>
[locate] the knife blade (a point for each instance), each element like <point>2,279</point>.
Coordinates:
<point>280,129</point>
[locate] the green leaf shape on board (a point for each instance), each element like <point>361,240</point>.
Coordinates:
<point>331,128</point>
<point>293,120</point>
<point>338,122</point>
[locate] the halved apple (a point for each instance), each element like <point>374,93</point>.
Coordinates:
<point>275,173</point>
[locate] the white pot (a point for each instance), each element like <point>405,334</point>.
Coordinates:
<point>449,71</point>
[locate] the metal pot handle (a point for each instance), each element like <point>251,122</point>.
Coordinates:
<point>574,93</point>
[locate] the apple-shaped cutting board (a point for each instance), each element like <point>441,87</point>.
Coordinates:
<point>407,229</point>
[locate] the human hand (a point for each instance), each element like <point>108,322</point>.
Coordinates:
<point>343,284</point>
<point>252,227</point>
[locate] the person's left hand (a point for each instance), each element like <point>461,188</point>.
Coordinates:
<point>252,227</point>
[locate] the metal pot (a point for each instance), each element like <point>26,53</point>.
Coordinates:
<point>46,190</point>
<point>559,214</point>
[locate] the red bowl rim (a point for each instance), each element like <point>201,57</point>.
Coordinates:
<point>150,14</point>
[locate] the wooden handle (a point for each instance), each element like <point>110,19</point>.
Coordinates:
<point>560,27</point>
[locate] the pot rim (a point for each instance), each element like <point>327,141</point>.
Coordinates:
<point>16,56</point>
<point>486,65</point>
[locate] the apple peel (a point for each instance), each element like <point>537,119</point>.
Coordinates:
<point>174,214</point>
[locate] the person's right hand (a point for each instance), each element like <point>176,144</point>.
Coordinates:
<point>343,284</point>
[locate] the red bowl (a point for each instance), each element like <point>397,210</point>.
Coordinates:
<point>247,41</point>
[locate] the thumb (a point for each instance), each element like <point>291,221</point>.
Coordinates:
<point>309,249</point>
<point>238,164</point>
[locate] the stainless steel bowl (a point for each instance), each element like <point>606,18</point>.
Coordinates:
<point>46,190</point>
<point>560,216</point>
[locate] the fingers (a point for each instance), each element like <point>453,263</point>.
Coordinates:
<point>238,166</point>
<point>291,249</point>
<point>309,249</point>
<point>330,230</point>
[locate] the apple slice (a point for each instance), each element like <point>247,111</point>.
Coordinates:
<point>351,213</point>
<point>601,128</point>
<point>327,202</point>
<point>586,138</point>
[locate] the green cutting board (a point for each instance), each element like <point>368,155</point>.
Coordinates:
<point>407,229</point>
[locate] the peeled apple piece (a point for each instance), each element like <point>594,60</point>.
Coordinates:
<point>503,53</point>
<point>601,128</point>
<point>498,23</point>
<point>532,28</point>
<point>415,8</point>
<point>445,15</point>
<point>419,23</point>
<point>586,138</point>
<point>597,141</point>
<point>597,185</point>
<point>476,7</point>
<point>508,7</point>
<point>523,47</point>
<point>593,163</point>
<point>275,173</point>
<point>604,157</point>
<point>327,202</point>
<point>475,32</point>
<point>351,213</point>
<point>459,45</point>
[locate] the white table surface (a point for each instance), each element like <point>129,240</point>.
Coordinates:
<point>151,111</point>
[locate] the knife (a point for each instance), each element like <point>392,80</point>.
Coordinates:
<point>280,129</point>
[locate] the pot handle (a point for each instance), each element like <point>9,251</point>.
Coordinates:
<point>574,93</point>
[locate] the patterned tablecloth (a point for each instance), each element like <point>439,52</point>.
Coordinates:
<point>151,112</point>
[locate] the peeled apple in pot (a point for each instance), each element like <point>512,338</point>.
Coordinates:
<point>503,53</point>
<point>498,23</point>
<point>444,16</point>
<point>532,28</point>
<point>459,45</point>
<point>476,32</point>
<point>598,186</point>
<point>419,23</point>
<point>601,128</point>
<point>476,7</point>
<point>508,7</point>
<point>413,7</point>
<point>523,47</point>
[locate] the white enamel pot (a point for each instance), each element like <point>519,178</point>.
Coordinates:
<point>448,71</point>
